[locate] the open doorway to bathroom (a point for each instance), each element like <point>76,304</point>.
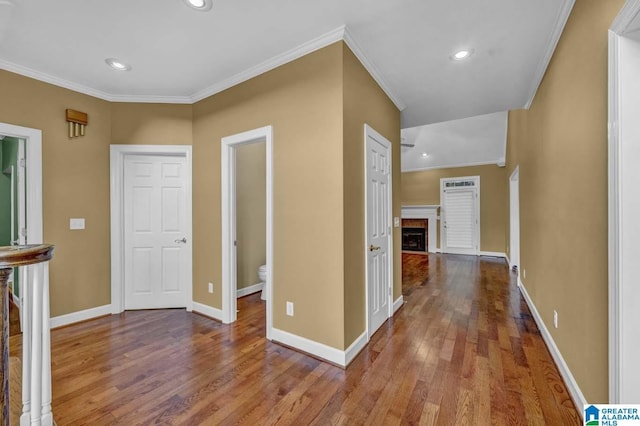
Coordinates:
<point>251,230</point>
<point>240,205</point>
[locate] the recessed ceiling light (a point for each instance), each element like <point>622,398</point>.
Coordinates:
<point>462,54</point>
<point>425,155</point>
<point>117,64</point>
<point>200,5</point>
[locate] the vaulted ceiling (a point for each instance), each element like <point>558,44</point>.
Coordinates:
<point>182,55</point>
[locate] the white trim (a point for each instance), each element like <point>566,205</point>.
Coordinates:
<point>370,132</point>
<point>398,303</point>
<point>455,166</point>
<point>306,48</point>
<point>208,311</point>
<point>561,21</point>
<point>492,254</point>
<point>572,386</point>
<point>429,212</point>
<point>245,291</point>
<point>372,69</point>
<point>311,347</point>
<point>227,170</point>
<point>355,348</point>
<point>622,272</point>
<point>34,177</point>
<point>87,314</point>
<point>117,157</point>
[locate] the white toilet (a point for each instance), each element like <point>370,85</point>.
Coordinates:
<point>262,274</point>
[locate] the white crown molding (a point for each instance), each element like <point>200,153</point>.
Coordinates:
<point>278,60</point>
<point>454,166</point>
<point>311,46</point>
<point>56,81</point>
<point>372,69</point>
<point>561,20</point>
<point>626,16</point>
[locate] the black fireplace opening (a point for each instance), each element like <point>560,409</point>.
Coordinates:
<point>413,239</point>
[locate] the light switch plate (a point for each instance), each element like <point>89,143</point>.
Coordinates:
<point>396,222</point>
<point>76,223</point>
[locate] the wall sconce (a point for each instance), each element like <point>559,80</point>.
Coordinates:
<point>77,121</point>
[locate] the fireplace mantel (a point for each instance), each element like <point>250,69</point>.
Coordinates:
<point>429,212</point>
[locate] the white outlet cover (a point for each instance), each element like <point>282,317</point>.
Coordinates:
<point>290,309</point>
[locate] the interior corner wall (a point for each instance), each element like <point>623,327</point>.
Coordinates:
<point>364,103</point>
<point>560,146</point>
<point>151,124</point>
<point>251,212</point>
<point>75,184</point>
<point>302,100</point>
<point>423,188</point>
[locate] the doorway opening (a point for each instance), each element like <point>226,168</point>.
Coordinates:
<point>21,189</point>
<point>241,188</point>
<point>514,221</point>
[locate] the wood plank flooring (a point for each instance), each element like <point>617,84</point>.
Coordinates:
<point>463,350</point>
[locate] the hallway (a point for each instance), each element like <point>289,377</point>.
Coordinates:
<point>462,350</point>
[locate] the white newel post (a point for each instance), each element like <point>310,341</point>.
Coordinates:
<point>36,379</point>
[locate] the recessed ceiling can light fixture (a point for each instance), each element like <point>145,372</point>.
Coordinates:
<point>201,5</point>
<point>462,54</point>
<point>425,155</point>
<point>117,64</point>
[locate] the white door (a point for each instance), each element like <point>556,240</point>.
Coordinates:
<point>378,205</point>
<point>460,222</point>
<point>155,238</point>
<point>514,220</point>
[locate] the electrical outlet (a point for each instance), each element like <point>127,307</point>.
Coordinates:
<point>555,318</point>
<point>210,287</point>
<point>290,309</point>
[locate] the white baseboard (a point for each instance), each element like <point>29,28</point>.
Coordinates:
<point>87,314</point>
<point>311,347</point>
<point>354,349</point>
<point>398,303</point>
<point>250,289</point>
<point>576,394</point>
<point>206,310</point>
<point>492,254</point>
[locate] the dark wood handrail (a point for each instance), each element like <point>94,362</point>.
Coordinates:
<point>11,257</point>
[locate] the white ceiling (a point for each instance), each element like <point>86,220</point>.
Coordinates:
<point>468,141</point>
<point>181,55</point>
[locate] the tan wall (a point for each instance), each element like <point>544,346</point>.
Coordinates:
<point>560,145</point>
<point>151,124</point>
<point>423,187</point>
<point>303,102</point>
<point>364,102</point>
<point>75,184</point>
<point>251,212</point>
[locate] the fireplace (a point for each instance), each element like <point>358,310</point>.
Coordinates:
<point>414,239</point>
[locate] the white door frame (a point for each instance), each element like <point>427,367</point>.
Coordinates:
<point>33,169</point>
<point>443,212</point>
<point>229,261</point>
<point>370,132</point>
<point>624,152</point>
<point>118,154</point>
<point>514,220</point>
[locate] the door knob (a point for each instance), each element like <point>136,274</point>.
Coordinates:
<point>373,248</point>
<point>183,240</point>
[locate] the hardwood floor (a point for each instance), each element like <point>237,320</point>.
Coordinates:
<point>463,350</point>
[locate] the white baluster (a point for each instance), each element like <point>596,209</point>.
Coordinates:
<point>27,309</point>
<point>36,347</point>
<point>47,417</point>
